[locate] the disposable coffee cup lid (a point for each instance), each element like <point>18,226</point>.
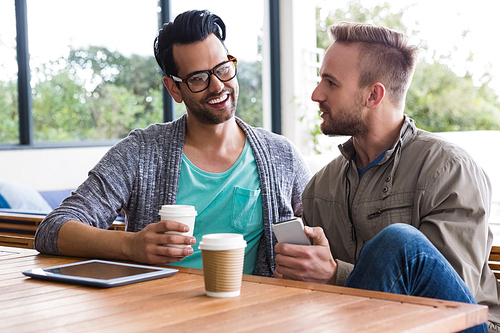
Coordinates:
<point>178,210</point>
<point>221,242</point>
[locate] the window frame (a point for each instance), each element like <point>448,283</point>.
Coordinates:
<point>25,101</point>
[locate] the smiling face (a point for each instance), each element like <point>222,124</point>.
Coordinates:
<point>217,103</point>
<point>338,95</point>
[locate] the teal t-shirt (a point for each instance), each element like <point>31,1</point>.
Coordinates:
<point>227,202</point>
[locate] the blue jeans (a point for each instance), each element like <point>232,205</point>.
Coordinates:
<point>401,260</point>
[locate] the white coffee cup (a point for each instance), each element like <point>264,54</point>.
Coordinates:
<point>223,258</point>
<point>185,214</point>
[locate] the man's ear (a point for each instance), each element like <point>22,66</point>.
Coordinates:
<point>377,94</point>
<point>172,88</point>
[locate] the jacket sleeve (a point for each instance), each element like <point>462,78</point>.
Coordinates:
<point>454,207</point>
<point>344,269</point>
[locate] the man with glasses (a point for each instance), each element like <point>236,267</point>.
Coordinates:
<point>240,179</point>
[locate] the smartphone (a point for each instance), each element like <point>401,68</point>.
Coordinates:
<point>292,232</point>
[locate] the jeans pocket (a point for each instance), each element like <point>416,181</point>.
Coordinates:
<point>246,213</point>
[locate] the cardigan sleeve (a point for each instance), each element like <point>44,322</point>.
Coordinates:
<point>98,200</point>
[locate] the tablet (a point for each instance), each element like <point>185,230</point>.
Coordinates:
<point>100,273</point>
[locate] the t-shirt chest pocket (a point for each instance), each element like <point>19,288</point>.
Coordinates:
<point>246,210</point>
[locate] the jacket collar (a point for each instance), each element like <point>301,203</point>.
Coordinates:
<point>407,132</point>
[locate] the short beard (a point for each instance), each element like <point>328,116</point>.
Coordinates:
<point>341,126</point>
<point>204,116</point>
<point>348,121</point>
<point>210,118</point>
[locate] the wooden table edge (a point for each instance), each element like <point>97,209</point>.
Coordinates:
<point>437,303</point>
<point>477,314</point>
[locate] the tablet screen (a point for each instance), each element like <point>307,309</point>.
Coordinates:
<point>100,270</point>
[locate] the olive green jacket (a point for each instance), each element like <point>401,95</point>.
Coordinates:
<point>423,181</point>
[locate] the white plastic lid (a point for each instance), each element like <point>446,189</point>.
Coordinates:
<point>178,210</point>
<point>221,242</point>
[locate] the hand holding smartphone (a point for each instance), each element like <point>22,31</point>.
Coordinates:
<point>292,232</point>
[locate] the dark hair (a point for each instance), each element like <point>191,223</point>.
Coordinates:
<point>387,56</point>
<point>189,27</point>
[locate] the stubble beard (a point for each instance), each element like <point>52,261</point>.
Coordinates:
<point>208,116</point>
<point>347,121</point>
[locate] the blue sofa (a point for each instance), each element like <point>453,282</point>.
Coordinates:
<point>16,198</point>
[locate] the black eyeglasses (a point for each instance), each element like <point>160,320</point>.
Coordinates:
<point>199,81</point>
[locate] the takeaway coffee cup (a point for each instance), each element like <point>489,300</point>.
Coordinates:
<point>179,213</point>
<point>223,256</point>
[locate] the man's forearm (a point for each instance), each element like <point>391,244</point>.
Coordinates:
<point>81,240</point>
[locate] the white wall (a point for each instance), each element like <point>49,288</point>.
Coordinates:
<point>298,71</point>
<point>49,169</point>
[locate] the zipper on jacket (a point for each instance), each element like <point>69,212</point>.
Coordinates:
<point>353,233</point>
<point>353,229</point>
<point>379,212</point>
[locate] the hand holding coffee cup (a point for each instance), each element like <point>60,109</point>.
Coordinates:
<point>184,214</point>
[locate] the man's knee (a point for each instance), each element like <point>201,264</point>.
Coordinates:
<point>396,235</point>
<point>398,230</point>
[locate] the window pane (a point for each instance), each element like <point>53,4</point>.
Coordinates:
<point>9,124</point>
<point>456,86</point>
<point>94,76</point>
<point>243,41</point>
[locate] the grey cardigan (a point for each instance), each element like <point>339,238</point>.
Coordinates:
<point>141,173</point>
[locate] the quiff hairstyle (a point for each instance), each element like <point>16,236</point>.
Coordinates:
<point>385,57</point>
<point>189,27</point>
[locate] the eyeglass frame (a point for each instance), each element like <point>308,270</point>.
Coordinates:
<point>209,72</point>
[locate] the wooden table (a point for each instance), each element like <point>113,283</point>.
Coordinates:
<point>179,304</point>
